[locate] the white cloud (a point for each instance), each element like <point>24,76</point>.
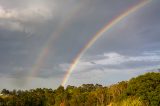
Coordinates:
<point>115,58</point>
<point>111,59</point>
<point>30,13</point>
<point>33,16</point>
<point>82,65</point>
<point>90,70</point>
<point>24,18</point>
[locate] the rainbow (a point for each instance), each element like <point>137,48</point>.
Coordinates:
<point>45,49</point>
<point>98,35</point>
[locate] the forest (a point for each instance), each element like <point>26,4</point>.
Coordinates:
<point>143,90</point>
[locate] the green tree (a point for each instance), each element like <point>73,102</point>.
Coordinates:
<point>147,87</point>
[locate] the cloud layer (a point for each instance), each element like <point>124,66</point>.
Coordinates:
<point>26,26</point>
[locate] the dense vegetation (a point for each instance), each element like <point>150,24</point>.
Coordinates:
<point>143,90</point>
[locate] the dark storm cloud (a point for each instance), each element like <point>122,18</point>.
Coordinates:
<point>84,26</point>
<point>135,34</point>
<point>26,26</point>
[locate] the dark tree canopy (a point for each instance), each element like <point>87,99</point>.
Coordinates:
<point>143,90</point>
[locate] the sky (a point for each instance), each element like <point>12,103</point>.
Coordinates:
<point>40,38</point>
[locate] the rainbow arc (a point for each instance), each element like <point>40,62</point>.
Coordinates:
<point>100,33</point>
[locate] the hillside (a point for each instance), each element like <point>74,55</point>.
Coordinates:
<point>143,90</point>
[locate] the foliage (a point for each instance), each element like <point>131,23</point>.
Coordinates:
<point>147,87</point>
<point>130,102</point>
<point>143,90</point>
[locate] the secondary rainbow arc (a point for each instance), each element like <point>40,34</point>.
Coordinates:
<point>47,46</point>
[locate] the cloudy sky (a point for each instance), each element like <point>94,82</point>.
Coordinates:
<point>40,38</point>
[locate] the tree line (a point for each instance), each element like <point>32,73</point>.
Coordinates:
<point>143,90</point>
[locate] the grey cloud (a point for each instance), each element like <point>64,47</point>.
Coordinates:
<point>115,61</point>
<point>74,23</point>
<point>132,35</point>
<point>24,19</point>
